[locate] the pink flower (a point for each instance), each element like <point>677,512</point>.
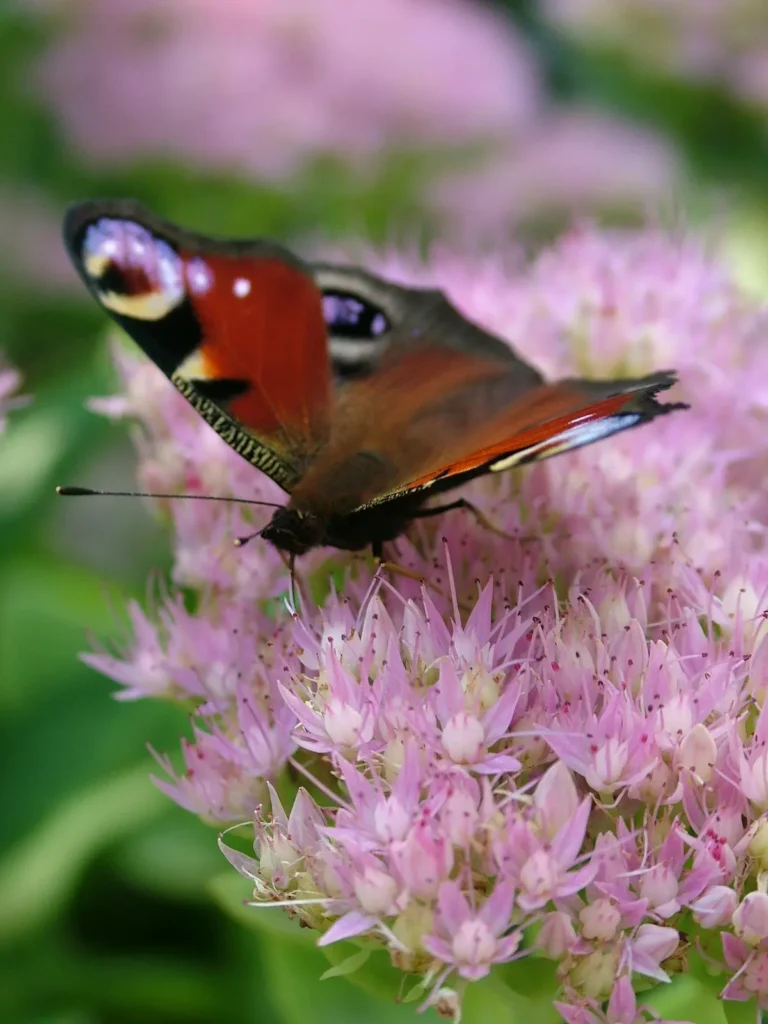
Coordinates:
<point>649,947</point>
<point>423,859</point>
<point>540,865</point>
<point>552,745</point>
<point>465,736</point>
<point>750,967</point>
<point>343,78</point>
<point>715,907</point>
<point>356,83</point>
<point>474,940</point>
<point>750,919</point>
<point>621,1009</point>
<point>217,784</point>
<point>611,166</point>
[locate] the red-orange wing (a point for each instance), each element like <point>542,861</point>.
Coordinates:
<point>237,326</point>
<point>542,422</point>
<point>431,417</point>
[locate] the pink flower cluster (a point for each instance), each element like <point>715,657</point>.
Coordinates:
<point>699,40</point>
<point>557,746</point>
<point>263,89</point>
<point>263,86</point>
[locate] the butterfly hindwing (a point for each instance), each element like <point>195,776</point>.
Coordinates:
<point>368,318</point>
<point>546,421</point>
<point>237,326</point>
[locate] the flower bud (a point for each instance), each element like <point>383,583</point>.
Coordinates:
<point>750,919</point>
<point>715,907</point>
<point>600,920</point>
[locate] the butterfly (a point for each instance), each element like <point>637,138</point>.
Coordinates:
<point>361,398</point>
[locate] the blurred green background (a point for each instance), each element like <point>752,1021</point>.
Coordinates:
<point>110,896</point>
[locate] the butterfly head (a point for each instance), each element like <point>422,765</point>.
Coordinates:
<point>293,531</point>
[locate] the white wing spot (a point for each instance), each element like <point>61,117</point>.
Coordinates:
<point>241,287</point>
<point>199,276</point>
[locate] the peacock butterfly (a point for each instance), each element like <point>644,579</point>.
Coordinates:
<point>359,397</point>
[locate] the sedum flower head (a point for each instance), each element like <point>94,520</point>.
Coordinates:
<point>553,747</point>
<point>262,87</point>
<point>362,83</point>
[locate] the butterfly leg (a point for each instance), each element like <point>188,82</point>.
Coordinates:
<point>400,570</point>
<point>409,574</point>
<point>297,589</point>
<point>480,518</point>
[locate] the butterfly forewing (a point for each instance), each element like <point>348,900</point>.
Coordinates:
<point>237,326</point>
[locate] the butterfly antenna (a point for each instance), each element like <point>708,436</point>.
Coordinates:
<point>240,542</point>
<point>88,492</point>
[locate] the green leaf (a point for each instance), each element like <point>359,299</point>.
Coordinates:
<point>739,1013</point>
<point>531,977</point>
<point>37,876</point>
<point>295,988</point>
<point>176,856</point>
<point>492,1000</point>
<point>687,998</point>
<point>349,966</point>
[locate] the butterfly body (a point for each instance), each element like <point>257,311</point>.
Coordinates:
<point>359,397</point>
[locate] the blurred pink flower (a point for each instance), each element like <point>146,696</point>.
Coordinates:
<point>261,87</point>
<point>700,40</point>
<point>552,748</point>
<point>10,380</point>
<point>568,163</point>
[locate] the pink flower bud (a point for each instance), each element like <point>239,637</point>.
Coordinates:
<point>715,907</point>
<point>600,920</point>
<point>459,815</point>
<point>659,886</point>
<point>464,738</point>
<point>375,890</point>
<point>651,946</point>
<point>556,797</point>
<point>698,752</point>
<point>750,919</point>
<point>423,860</point>
<point>754,781</point>
<point>594,975</point>
<point>343,723</point>
<point>556,935</point>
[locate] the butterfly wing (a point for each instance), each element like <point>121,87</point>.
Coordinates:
<point>237,326</point>
<point>548,420</point>
<point>366,315</point>
<point>430,418</point>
